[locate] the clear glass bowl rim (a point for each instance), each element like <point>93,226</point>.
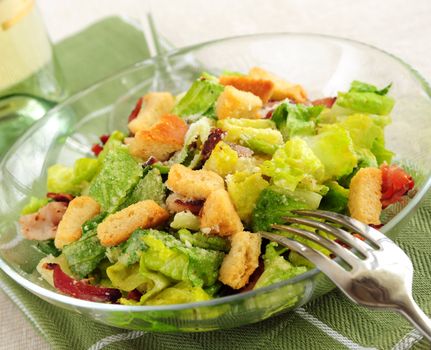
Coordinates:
<point>74,302</point>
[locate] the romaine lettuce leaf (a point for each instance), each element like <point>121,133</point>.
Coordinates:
<point>275,203</point>
<point>119,174</point>
<point>147,282</point>
<point>276,268</point>
<point>334,147</point>
<point>223,160</point>
<point>174,259</point>
<point>186,220</point>
<point>84,255</point>
<point>359,86</point>
<point>183,292</point>
<point>259,135</point>
<point>292,164</point>
<point>151,186</point>
<point>366,102</point>
<point>205,241</point>
<point>128,252</point>
<point>244,190</point>
<point>61,180</point>
<point>336,198</point>
<point>201,96</point>
<point>296,119</point>
<point>84,170</point>
<point>34,205</point>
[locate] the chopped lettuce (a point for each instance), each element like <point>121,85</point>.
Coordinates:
<point>128,252</point>
<point>276,268</point>
<point>186,220</point>
<point>61,180</point>
<point>149,283</point>
<point>115,140</point>
<point>244,190</point>
<point>34,205</point>
<point>151,186</point>
<point>201,96</point>
<point>275,203</point>
<point>205,241</point>
<point>181,293</point>
<point>223,160</point>
<point>296,119</point>
<point>366,98</point>
<point>84,170</point>
<point>47,247</point>
<point>259,135</point>
<point>174,259</point>
<point>84,255</point>
<point>195,137</point>
<point>334,147</point>
<point>293,163</point>
<point>336,198</point>
<point>119,174</point>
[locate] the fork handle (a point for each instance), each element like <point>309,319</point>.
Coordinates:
<point>417,317</point>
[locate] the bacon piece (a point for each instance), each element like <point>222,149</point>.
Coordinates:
<point>104,138</point>
<point>215,136</point>
<point>96,149</point>
<point>134,295</point>
<point>177,203</point>
<point>136,110</point>
<point>43,224</point>
<point>326,102</point>
<point>60,197</point>
<point>395,184</point>
<point>81,289</point>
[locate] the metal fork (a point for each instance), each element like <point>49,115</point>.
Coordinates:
<point>379,274</point>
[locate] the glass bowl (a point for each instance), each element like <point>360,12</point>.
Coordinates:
<point>323,65</point>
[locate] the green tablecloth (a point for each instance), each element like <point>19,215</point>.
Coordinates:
<point>331,322</point>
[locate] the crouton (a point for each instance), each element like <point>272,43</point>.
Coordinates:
<point>219,215</point>
<point>193,184</point>
<point>282,89</point>
<point>364,196</point>
<point>242,259</point>
<point>259,87</point>
<point>118,227</point>
<point>155,105</point>
<point>234,103</point>
<point>161,140</point>
<point>79,210</point>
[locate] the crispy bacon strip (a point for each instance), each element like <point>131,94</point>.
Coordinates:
<point>136,110</point>
<point>395,184</point>
<point>60,197</point>
<point>177,203</point>
<point>81,289</point>
<point>215,136</point>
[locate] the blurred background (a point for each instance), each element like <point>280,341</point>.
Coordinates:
<point>397,26</point>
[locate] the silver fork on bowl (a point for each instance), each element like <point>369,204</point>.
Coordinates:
<point>374,273</point>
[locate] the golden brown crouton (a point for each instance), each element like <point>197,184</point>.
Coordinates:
<point>282,89</point>
<point>259,87</point>
<point>155,105</point>
<point>79,210</point>
<point>219,215</point>
<point>161,140</point>
<point>234,103</point>
<point>242,260</point>
<point>364,196</point>
<point>118,227</point>
<point>194,184</point>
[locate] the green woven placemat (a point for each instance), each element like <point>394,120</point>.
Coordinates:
<point>330,322</point>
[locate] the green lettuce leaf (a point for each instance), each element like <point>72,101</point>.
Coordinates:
<point>359,86</point>
<point>259,135</point>
<point>174,259</point>
<point>275,203</point>
<point>34,205</point>
<point>336,198</point>
<point>205,241</point>
<point>115,140</point>
<point>296,119</point>
<point>151,186</point>
<point>186,220</point>
<point>276,268</point>
<point>201,96</point>
<point>84,255</point>
<point>292,164</point>
<point>130,251</point>
<point>366,101</point>
<point>61,180</point>
<point>334,147</point>
<point>119,174</point>
<point>244,190</point>
<point>181,293</point>
<point>84,170</point>
<point>149,283</point>
<point>223,160</point>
